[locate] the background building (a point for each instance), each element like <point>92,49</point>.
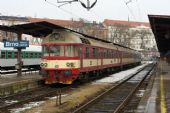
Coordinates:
<point>136,35</point>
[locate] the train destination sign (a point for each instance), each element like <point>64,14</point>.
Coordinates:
<point>16,44</point>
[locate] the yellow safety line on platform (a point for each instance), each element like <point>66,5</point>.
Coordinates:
<point>163,105</point>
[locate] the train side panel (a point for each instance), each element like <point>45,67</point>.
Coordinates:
<point>93,56</point>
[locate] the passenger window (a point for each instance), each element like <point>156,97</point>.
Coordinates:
<point>39,55</point>
<point>94,52</point>
<point>9,54</point>
<point>3,54</point>
<point>105,53</point>
<point>26,55</point>
<point>15,54</point>
<point>31,55</point>
<point>87,52</point>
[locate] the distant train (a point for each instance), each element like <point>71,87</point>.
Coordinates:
<point>68,56</point>
<point>31,57</point>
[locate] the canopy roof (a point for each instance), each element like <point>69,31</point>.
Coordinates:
<point>40,29</point>
<point>36,29</point>
<point>160,25</point>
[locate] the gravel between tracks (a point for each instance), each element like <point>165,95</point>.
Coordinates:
<point>72,100</point>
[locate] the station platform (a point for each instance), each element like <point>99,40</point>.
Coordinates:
<point>157,95</point>
<point>11,84</point>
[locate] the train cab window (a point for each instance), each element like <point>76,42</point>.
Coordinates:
<point>87,52</point>
<point>71,51</point>
<point>56,50</point>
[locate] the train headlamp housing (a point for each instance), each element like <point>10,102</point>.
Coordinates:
<point>70,64</point>
<point>43,64</point>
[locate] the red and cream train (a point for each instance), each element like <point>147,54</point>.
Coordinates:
<point>68,56</point>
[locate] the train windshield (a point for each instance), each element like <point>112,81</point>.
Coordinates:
<point>68,51</point>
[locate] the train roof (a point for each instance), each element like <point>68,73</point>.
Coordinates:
<point>43,28</point>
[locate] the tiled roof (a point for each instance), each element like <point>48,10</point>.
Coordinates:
<point>129,23</point>
<point>13,18</point>
<point>58,22</point>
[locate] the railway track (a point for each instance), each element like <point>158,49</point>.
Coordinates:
<point>16,100</point>
<point>116,98</point>
<point>15,71</point>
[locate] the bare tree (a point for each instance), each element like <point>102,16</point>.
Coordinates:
<point>144,35</point>
<point>121,34</point>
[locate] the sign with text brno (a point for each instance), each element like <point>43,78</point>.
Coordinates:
<point>16,44</point>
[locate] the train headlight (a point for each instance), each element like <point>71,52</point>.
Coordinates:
<point>70,64</point>
<point>56,66</point>
<point>43,64</point>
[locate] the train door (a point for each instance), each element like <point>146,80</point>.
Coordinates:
<point>101,56</point>
<point>97,57</point>
<point>81,53</point>
<point>119,56</point>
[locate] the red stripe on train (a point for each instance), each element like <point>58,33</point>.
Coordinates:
<point>59,58</point>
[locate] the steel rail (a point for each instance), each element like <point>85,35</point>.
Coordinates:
<point>99,97</point>
<point>5,107</point>
<point>124,103</point>
<point>52,91</point>
<point>15,71</point>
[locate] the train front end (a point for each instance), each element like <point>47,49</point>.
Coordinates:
<point>60,62</point>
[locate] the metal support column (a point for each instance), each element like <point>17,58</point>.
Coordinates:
<point>19,58</point>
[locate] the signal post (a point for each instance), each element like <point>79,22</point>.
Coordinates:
<point>19,45</point>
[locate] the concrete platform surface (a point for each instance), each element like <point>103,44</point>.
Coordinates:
<point>157,95</point>
<point>10,84</point>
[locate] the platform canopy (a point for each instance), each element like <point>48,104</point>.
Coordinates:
<point>160,25</point>
<point>36,29</point>
<point>40,29</point>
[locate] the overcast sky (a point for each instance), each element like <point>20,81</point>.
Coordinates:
<point>136,10</point>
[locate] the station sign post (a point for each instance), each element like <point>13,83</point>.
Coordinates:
<point>20,44</point>
<point>16,44</point>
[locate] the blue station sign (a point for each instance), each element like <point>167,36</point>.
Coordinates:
<point>16,44</point>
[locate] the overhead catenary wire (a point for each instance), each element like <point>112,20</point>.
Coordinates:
<point>131,12</point>
<point>69,12</point>
<point>139,10</point>
<point>59,7</point>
